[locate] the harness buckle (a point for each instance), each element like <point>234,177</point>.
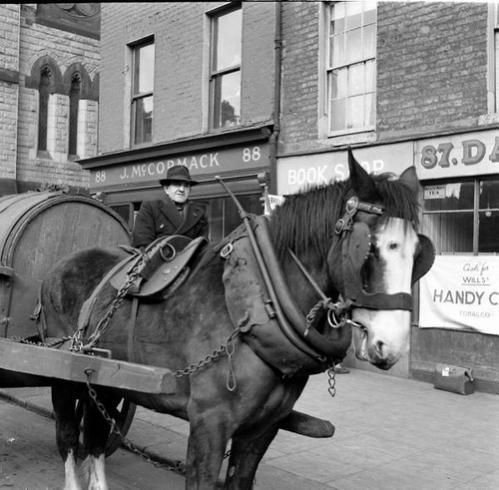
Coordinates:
<point>226,250</point>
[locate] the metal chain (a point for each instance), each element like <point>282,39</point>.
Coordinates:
<point>178,466</point>
<point>331,379</point>
<point>115,304</point>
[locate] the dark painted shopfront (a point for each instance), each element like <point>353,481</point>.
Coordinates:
<point>124,179</point>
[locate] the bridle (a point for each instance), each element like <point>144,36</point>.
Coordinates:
<point>355,250</point>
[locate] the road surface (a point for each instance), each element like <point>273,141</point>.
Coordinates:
<point>29,458</point>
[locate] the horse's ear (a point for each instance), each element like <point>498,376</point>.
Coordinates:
<point>361,181</point>
<point>410,179</point>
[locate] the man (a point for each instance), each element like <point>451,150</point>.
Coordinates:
<point>172,215</point>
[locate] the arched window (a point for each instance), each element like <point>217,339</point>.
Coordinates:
<point>74,99</point>
<point>43,106</point>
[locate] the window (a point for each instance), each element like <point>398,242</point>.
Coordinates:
<point>462,217</point>
<point>224,217</point>
<point>351,66</point>
<point>74,101</point>
<point>142,92</point>
<point>225,75</point>
<point>43,107</point>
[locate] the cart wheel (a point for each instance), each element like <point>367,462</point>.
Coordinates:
<point>123,415</point>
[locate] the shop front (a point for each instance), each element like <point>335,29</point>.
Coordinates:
<point>459,307</point>
<point>123,180</point>
<point>456,315</point>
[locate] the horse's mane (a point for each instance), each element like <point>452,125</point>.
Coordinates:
<point>307,219</point>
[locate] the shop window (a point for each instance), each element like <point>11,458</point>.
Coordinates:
<point>225,73</point>
<point>142,92</point>
<point>462,217</point>
<point>74,101</point>
<point>43,107</point>
<point>351,67</point>
<point>223,215</point>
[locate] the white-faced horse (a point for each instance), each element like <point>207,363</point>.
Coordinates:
<point>271,320</point>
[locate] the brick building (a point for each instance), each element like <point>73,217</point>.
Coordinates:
<point>48,94</point>
<point>271,94</point>
<point>186,83</point>
<point>408,83</point>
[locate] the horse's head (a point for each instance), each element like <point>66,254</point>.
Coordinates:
<point>377,259</point>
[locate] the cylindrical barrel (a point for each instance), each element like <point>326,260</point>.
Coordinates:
<point>36,230</point>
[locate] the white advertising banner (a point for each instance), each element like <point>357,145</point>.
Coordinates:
<point>461,292</point>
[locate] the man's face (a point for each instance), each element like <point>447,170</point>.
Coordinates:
<point>178,191</point>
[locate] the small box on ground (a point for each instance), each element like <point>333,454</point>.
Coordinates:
<point>456,379</point>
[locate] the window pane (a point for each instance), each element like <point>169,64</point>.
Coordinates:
<point>444,197</point>
<point>488,237</point>
<point>144,69</point>
<point>489,195</point>
<point>370,109</point>
<point>369,11</point>
<point>228,35</point>
<point>353,17</point>
<point>356,79</point>
<point>370,68</point>
<point>227,108</point>
<point>355,112</point>
<point>450,232</point>
<point>143,119</point>
<point>369,42</point>
<point>338,83</point>
<point>354,46</point>
<point>337,115</point>
<point>337,51</point>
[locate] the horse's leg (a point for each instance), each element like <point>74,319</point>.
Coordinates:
<point>208,439</point>
<point>246,453</point>
<point>67,432</point>
<point>95,436</point>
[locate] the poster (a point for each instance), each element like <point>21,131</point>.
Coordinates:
<point>461,292</point>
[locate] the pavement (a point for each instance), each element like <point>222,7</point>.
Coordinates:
<point>391,433</point>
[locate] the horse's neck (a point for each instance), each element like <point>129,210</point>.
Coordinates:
<point>302,291</point>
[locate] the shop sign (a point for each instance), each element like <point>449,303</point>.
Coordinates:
<point>461,292</point>
<point>198,163</point>
<point>457,155</point>
<point>295,173</point>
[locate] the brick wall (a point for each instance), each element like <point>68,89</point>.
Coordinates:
<point>431,72</point>
<point>65,49</point>
<point>9,65</point>
<point>300,76</point>
<point>432,66</point>
<point>181,96</point>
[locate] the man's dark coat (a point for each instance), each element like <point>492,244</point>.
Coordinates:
<point>161,218</point>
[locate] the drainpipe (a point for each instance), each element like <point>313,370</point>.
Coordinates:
<point>274,137</point>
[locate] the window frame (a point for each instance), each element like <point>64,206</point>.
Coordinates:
<point>475,211</point>
<point>136,96</point>
<point>217,75</point>
<point>330,68</point>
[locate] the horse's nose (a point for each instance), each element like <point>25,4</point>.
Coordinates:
<point>381,357</point>
<point>379,348</point>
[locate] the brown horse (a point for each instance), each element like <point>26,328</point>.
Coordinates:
<point>356,239</point>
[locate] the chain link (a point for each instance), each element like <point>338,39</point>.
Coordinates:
<point>177,467</point>
<point>331,379</point>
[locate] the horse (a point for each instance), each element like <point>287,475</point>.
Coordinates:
<point>349,252</point>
